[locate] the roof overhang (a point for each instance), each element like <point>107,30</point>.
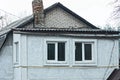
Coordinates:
<point>82,33</point>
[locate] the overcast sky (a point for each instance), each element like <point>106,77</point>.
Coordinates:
<point>95,11</point>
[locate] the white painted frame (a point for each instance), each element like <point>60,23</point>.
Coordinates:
<point>56,62</point>
<point>56,51</point>
<point>84,62</point>
<point>83,52</point>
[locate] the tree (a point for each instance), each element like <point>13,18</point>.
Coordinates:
<point>109,27</point>
<point>6,18</point>
<point>116,12</point>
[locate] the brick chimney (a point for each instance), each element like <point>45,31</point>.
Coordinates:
<point>38,12</point>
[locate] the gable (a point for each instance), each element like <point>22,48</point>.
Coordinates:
<point>59,5</point>
<point>58,18</point>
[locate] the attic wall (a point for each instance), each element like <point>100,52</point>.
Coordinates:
<point>61,19</point>
<point>6,68</point>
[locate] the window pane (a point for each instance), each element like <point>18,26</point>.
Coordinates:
<point>51,51</point>
<point>88,52</point>
<point>78,51</point>
<point>17,51</point>
<point>61,51</point>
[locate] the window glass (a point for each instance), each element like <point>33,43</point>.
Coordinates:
<point>61,51</point>
<point>51,51</point>
<point>88,51</point>
<point>17,51</point>
<point>78,51</point>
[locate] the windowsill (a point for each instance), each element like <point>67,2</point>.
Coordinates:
<point>16,66</point>
<point>56,63</point>
<point>85,63</point>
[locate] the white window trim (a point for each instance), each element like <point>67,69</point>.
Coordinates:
<point>92,62</point>
<point>56,53</point>
<point>16,39</point>
<point>83,52</point>
<point>55,62</point>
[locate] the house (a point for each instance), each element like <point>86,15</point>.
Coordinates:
<point>57,44</point>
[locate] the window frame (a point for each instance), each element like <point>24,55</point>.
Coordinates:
<point>83,51</point>
<point>56,51</point>
<point>84,62</point>
<point>55,62</point>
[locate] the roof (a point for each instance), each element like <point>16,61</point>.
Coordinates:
<point>28,19</point>
<point>67,30</point>
<point>115,75</point>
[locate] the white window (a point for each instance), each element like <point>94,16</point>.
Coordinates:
<point>85,52</point>
<point>55,51</point>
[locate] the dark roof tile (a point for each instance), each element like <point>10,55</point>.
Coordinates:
<point>70,30</point>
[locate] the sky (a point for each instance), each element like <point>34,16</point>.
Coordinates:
<point>97,12</point>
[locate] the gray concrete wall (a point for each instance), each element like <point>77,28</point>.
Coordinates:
<point>6,65</point>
